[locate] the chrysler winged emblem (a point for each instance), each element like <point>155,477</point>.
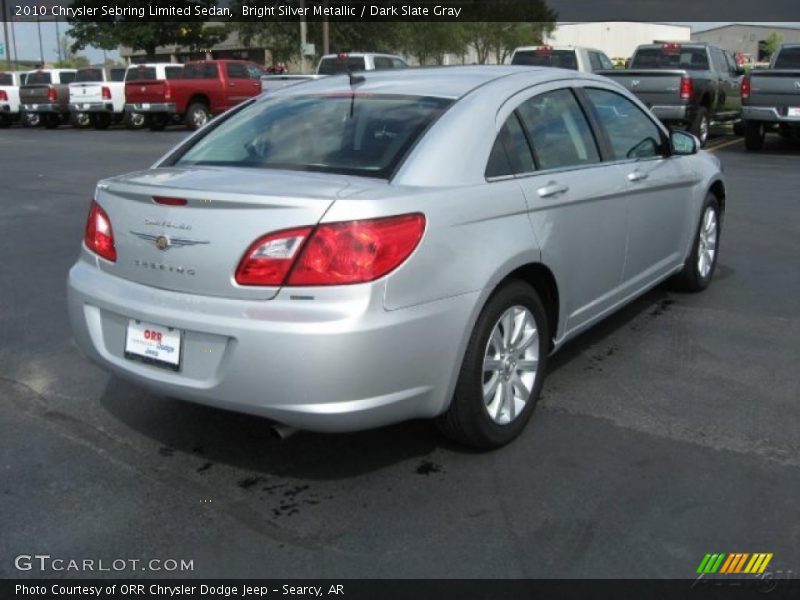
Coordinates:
<point>635,83</point>
<point>797,84</point>
<point>165,242</point>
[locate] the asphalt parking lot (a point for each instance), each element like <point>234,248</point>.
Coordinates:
<point>669,431</point>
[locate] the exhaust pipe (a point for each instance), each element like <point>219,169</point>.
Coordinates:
<point>281,432</point>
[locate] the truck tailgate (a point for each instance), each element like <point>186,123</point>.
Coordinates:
<point>139,92</point>
<point>775,87</point>
<point>35,94</point>
<point>653,87</point>
<point>86,92</point>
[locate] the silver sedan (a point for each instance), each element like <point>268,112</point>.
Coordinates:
<point>358,251</point>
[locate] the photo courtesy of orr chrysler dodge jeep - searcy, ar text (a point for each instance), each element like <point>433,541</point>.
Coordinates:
<point>361,250</point>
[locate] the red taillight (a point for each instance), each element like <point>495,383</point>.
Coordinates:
<point>106,93</point>
<point>268,259</point>
<point>333,253</point>
<point>3,96</point>
<point>687,88</point>
<point>167,201</point>
<point>99,236</point>
<point>745,87</point>
<point>167,92</point>
<point>51,94</point>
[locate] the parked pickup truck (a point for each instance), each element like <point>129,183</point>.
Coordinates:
<point>46,92</point>
<point>147,72</point>
<point>206,88</point>
<point>97,97</point>
<point>575,58</point>
<point>689,84</point>
<point>9,97</point>
<point>771,98</point>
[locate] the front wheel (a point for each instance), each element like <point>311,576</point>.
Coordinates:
<point>701,126</point>
<point>754,134</point>
<point>502,372</point>
<point>699,267</point>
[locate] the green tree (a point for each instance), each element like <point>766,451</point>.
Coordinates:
<point>498,40</point>
<point>772,43</point>
<point>429,42</point>
<point>280,38</point>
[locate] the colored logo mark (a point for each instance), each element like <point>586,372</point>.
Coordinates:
<point>742,562</point>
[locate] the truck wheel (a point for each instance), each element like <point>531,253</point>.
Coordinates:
<point>52,121</point>
<point>197,115</point>
<point>738,128</point>
<point>754,135</point>
<point>157,122</point>
<point>134,120</point>
<point>101,121</point>
<point>80,120</point>
<point>503,370</point>
<point>31,119</point>
<point>701,126</point>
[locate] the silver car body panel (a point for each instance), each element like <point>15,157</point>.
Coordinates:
<point>349,357</point>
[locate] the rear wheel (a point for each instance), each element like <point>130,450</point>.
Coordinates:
<point>702,261</point>
<point>754,134</point>
<point>701,126</point>
<point>134,120</point>
<point>738,128</point>
<point>502,372</point>
<point>31,119</point>
<point>197,115</point>
<point>157,122</point>
<point>80,120</point>
<point>52,121</point>
<point>101,121</point>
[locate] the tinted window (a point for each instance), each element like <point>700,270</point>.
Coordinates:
<point>558,130</point>
<point>140,73</point>
<point>381,62</point>
<point>237,71</point>
<point>510,153</point>
<point>173,72</point>
<point>200,71</point>
<point>6,79</point>
<point>117,74</point>
<point>788,58</point>
<point>334,66</point>
<point>693,59</point>
<point>544,57</point>
<point>399,64</point>
<point>66,77</point>
<point>606,62</point>
<point>594,60</point>
<point>255,72</point>
<point>87,75</point>
<point>350,134</point>
<point>632,133</point>
<point>38,77</point>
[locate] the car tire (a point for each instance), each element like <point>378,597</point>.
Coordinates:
<point>31,119</point>
<point>157,122</point>
<point>80,120</point>
<point>485,412</point>
<point>738,127</point>
<point>754,134</point>
<point>134,120</point>
<point>698,270</point>
<point>701,125</point>
<point>52,121</point>
<point>101,121</point>
<point>197,115</point>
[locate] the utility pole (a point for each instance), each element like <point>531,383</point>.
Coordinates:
<point>14,44</point>
<point>58,43</point>
<point>326,32</point>
<point>6,47</point>
<point>41,48</point>
<point>303,36</point>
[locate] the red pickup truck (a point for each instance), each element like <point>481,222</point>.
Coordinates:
<point>206,88</point>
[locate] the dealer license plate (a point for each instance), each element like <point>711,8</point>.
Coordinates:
<point>154,344</point>
<point>794,111</point>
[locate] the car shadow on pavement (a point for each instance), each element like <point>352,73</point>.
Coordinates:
<point>246,442</point>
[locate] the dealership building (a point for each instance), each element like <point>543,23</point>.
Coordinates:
<point>618,39</point>
<point>747,39</point>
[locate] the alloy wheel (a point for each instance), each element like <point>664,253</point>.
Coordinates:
<point>707,245</point>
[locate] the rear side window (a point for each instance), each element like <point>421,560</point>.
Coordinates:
<point>255,72</point>
<point>6,79</point>
<point>353,134</point>
<point>38,78</point>
<point>671,57</point>
<point>200,71</point>
<point>334,66</point>
<point>511,153</point>
<point>89,75</point>
<point>546,57</point>
<point>594,61</point>
<point>66,77</point>
<point>399,64</point>
<point>173,72</point>
<point>788,58</point>
<point>140,74</point>
<point>117,74</point>
<point>237,71</point>
<point>382,63</point>
<point>558,130</point>
<point>632,134</point>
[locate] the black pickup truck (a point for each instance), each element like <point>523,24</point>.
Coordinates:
<point>688,84</point>
<point>771,98</point>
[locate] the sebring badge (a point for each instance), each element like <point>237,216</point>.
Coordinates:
<point>164,242</point>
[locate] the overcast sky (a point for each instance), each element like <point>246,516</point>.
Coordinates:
<point>27,39</point>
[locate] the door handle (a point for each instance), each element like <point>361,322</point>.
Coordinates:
<point>637,176</point>
<point>231,84</point>
<point>552,189</point>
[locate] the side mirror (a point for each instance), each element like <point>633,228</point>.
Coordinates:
<point>683,143</point>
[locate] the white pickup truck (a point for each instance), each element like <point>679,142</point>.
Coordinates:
<point>148,72</point>
<point>9,96</point>
<point>97,97</point>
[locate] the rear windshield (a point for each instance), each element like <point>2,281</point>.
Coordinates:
<point>6,79</point>
<point>86,75</point>
<point>692,59</point>
<point>38,77</point>
<point>563,59</point>
<point>334,66</point>
<point>346,133</point>
<point>140,74</point>
<point>788,58</point>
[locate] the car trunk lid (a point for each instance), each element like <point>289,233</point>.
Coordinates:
<point>195,248</point>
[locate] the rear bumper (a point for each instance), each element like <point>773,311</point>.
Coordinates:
<point>340,362</point>
<point>8,110</point>
<point>92,107</point>
<point>146,107</point>
<point>44,108</point>
<point>671,112</point>
<point>771,114</point>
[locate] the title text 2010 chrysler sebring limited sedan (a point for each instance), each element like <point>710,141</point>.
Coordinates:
<point>349,253</point>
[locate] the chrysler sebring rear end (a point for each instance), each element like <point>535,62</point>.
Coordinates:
<point>340,257</point>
